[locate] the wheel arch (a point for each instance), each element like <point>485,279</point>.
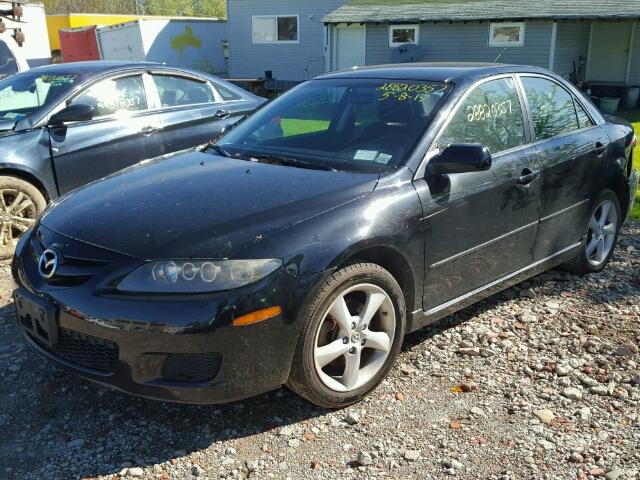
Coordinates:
<point>617,181</point>
<point>392,260</point>
<point>27,176</point>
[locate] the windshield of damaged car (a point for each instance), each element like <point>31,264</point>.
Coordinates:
<point>346,124</point>
<point>25,93</point>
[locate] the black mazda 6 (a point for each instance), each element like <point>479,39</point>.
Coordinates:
<point>302,246</point>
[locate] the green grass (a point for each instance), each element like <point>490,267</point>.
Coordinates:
<point>633,116</point>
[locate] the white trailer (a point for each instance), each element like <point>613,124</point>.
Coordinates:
<point>195,43</point>
<point>35,49</point>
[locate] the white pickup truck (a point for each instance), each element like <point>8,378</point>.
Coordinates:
<point>12,58</point>
<point>35,50</point>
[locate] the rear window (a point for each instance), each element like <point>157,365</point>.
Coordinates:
<point>551,107</point>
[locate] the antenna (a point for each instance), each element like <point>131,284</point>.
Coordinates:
<point>499,55</point>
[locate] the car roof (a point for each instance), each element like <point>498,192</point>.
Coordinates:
<point>89,69</point>
<point>98,66</point>
<point>458,72</point>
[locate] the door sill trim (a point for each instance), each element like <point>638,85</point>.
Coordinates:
<point>447,305</point>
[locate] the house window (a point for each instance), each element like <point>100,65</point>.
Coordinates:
<point>401,34</point>
<point>275,29</point>
<point>506,34</point>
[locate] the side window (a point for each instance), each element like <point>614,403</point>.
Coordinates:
<point>551,107</point>
<point>583,119</point>
<point>491,115</point>
<point>177,91</point>
<point>226,94</point>
<point>124,94</point>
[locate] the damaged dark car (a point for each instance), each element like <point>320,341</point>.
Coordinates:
<point>301,247</point>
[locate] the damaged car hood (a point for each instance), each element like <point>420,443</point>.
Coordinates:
<point>197,205</point>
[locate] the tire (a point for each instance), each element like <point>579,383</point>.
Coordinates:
<point>20,205</point>
<point>588,260</point>
<point>371,347</point>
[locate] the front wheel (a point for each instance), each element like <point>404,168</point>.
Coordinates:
<point>20,205</point>
<point>354,329</point>
<point>602,235</point>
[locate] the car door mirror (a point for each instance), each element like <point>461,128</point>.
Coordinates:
<point>461,158</point>
<point>78,112</point>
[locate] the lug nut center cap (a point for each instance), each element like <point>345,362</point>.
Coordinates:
<point>355,337</point>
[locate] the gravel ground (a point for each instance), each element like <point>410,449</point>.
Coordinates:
<point>540,381</point>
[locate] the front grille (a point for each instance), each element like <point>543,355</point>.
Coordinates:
<point>191,367</point>
<point>86,351</point>
<point>78,262</point>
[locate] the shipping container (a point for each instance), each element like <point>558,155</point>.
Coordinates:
<point>190,43</point>
<point>79,44</point>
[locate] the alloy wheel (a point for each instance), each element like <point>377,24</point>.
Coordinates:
<point>18,212</point>
<point>354,337</point>
<point>603,226</point>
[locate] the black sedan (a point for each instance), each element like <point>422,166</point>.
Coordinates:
<point>62,126</point>
<point>305,244</point>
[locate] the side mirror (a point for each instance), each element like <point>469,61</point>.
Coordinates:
<point>461,158</point>
<point>78,112</point>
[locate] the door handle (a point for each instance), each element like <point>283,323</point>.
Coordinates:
<point>222,114</point>
<point>600,148</point>
<point>149,130</point>
<point>527,176</point>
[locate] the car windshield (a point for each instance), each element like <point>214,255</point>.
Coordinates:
<point>23,94</point>
<point>343,124</point>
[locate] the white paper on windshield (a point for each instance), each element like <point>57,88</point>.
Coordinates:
<point>369,155</point>
<point>383,158</point>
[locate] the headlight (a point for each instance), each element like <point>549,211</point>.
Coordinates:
<point>196,276</point>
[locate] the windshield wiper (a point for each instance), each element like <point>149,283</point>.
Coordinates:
<point>218,149</point>
<point>288,161</point>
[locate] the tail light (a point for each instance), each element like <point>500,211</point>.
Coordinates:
<point>634,142</point>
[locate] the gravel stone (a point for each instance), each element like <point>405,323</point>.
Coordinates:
<point>522,351</point>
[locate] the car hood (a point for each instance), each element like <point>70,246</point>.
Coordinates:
<point>197,205</point>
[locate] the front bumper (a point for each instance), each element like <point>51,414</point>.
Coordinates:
<point>181,348</point>
<point>633,187</point>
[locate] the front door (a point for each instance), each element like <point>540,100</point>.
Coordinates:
<point>571,148</point>
<point>350,45</point>
<point>609,52</point>
<point>122,133</point>
<point>480,226</point>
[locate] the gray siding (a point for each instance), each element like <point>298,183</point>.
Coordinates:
<point>287,61</point>
<point>464,42</point>
<point>634,68</point>
<point>572,42</point>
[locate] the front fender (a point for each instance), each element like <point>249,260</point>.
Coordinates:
<point>26,155</point>
<point>388,219</point>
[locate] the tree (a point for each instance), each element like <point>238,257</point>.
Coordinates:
<point>191,8</point>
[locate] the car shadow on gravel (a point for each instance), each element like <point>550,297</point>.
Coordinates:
<point>59,417</point>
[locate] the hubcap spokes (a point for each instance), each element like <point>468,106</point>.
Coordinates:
<point>18,213</point>
<point>602,232</point>
<point>355,337</point>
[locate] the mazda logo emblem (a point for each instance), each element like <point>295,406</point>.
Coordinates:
<point>48,263</point>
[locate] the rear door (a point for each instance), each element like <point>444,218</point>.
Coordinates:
<point>481,226</point>
<point>192,110</point>
<point>123,132</point>
<point>572,150</point>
